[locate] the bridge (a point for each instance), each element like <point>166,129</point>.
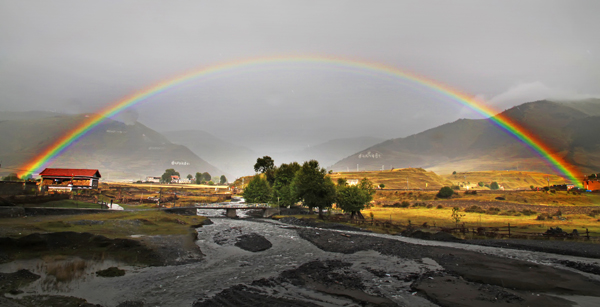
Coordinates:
<point>231,208</point>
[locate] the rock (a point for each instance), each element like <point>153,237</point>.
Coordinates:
<point>253,242</point>
<point>111,272</point>
<point>131,304</point>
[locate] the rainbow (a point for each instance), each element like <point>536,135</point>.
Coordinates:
<point>336,63</point>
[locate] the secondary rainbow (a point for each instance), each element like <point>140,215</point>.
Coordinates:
<point>336,63</point>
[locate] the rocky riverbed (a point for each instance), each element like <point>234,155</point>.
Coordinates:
<point>264,262</point>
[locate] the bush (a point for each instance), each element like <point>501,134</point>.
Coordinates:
<point>553,191</point>
<point>475,209</point>
<point>429,206</point>
<point>594,212</point>
<point>501,198</point>
<point>528,212</point>
<point>455,187</point>
<point>481,184</point>
<point>439,207</point>
<point>543,217</point>
<point>405,204</point>
<point>445,192</point>
<point>494,186</point>
<point>493,211</point>
<point>472,192</point>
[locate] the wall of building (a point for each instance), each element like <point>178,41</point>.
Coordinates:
<point>593,185</point>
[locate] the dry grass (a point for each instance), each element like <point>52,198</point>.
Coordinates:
<point>110,224</point>
<point>508,179</point>
<point>396,179</point>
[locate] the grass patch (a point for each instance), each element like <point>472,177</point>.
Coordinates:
<point>110,224</point>
<point>66,203</point>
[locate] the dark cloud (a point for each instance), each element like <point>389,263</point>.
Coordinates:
<point>65,55</point>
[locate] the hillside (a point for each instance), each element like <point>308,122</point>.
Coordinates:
<point>234,159</point>
<point>478,145</point>
<point>118,150</point>
<point>329,152</point>
<point>397,179</point>
<point>509,179</point>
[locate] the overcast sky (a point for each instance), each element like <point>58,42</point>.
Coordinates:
<point>77,56</point>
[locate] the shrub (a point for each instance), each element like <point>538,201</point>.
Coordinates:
<point>528,212</point>
<point>445,192</point>
<point>494,186</point>
<point>475,209</point>
<point>558,213</point>
<point>440,207</point>
<point>429,206</point>
<point>553,191</point>
<point>594,212</point>
<point>481,184</point>
<point>543,217</point>
<point>493,210</point>
<point>501,198</point>
<point>455,187</point>
<point>405,204</point>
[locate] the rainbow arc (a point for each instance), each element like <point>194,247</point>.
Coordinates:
<point>336,63</point>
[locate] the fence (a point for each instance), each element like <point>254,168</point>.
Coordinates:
<point>507,231</point>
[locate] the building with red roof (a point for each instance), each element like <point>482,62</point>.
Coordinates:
<point>68,179</point>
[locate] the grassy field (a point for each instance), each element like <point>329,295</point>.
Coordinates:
<point>66,203</point>
<point>116,224</point>
<point>397,179</point>
<point>508,179</point>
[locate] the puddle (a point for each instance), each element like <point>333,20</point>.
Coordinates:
<point>60,274</point>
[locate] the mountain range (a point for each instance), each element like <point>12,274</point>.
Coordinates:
<point>119,150</point>
<point>570,129</point>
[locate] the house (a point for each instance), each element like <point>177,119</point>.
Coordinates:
<point>591,184</point>
<point>153,179</point>
<point>68,179</point>
<point>174,179</point>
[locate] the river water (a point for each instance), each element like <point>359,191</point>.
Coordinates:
<point>226,265</point>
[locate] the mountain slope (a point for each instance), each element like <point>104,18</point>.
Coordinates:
<point>331,151</point>
<point>475,145</point>
<point>118,150</point>
<point>234,159</point>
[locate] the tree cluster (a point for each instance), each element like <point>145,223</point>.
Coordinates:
<point>308,183</point>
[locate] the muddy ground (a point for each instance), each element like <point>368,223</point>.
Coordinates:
<point>270,263</point>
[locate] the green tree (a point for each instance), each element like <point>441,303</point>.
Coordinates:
<point>166,177</point>
<point>382,185</point>
<point>445,192</point>
<point>206,177</point>
<point>456,215</point>
<point>312,185</point>
<point>282,192</point>
<point>223,179</point>
<point>481,184</point>
<point>352,199</point>
<point>367,186</point>
<point>257,190</point>
<point>266,165</point>
<point>189,176</point>
<point>494,186</point>
<point>198,178</point>
<point>12,177</point>
<point>454,173</point>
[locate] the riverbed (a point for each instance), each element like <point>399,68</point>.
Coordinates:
<point>315,267</point>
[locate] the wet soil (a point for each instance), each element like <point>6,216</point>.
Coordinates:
<point>473,267</point>
<point>11,282</point>
<point>561,247</point>
<point>85,245</point>
<point>111,272</point>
